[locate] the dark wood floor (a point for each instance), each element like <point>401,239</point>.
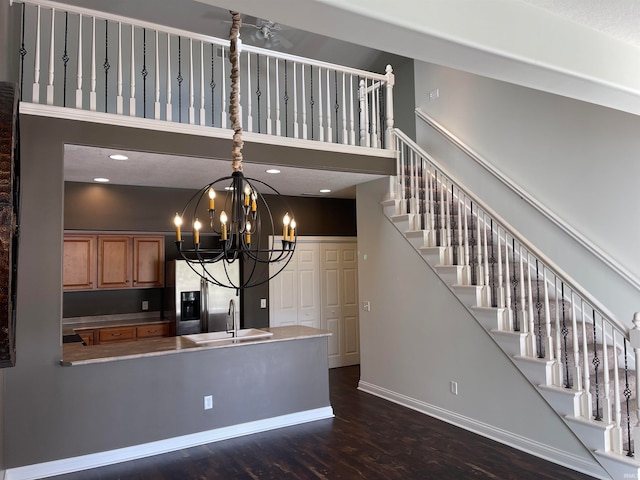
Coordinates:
<point>369,438</point>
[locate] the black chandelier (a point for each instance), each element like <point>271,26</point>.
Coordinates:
<point>237,229</point>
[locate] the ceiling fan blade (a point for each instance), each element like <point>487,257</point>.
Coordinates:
<point>283,41</point>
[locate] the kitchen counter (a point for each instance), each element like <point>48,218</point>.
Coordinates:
<point>77,354</point>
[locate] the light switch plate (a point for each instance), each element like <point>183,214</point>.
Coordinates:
<point>263,303</point>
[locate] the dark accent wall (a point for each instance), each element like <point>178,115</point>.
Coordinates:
<point>124,208</point>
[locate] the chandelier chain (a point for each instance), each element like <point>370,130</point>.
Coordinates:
<point>234,100</point>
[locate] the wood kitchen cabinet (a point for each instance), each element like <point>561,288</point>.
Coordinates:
<point>79,262</point>
<point>113,261</point>
<point>123,333</point>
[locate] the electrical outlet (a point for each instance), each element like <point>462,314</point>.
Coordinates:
<point>208,402</point>
<point>145,305</point>
<point>454,387</point>
<point>433,94</point>
<point>263,303</point>
<point>366,306</point>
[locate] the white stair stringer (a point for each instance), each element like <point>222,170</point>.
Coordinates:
<point>595,435</point>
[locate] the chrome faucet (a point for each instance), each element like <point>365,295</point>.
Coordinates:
<point>234,323</point>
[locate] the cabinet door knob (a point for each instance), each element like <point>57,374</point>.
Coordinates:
<point>116,334</point>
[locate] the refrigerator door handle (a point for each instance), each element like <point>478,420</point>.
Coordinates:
<point>204,314</point>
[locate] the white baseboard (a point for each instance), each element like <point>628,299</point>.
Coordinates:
<point>518,442</point>
<point>94,460</point>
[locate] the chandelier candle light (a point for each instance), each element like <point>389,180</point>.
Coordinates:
<point>237,230</point>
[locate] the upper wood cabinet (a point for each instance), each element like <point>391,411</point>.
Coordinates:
<point>113,261</point>
<point>79,262</point>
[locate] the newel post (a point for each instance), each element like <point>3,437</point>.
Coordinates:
<point>389,107</point>
<point>634,339</point>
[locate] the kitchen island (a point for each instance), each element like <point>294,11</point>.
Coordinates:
<point>78,354</point>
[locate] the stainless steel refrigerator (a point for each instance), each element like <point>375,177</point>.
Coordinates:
<point>199,306</point>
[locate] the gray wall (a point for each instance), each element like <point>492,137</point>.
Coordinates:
<point>105,406</point>
<point>577,159</point>
<point>418,337</point>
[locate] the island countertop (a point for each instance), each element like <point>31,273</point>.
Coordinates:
<point>77,354</point>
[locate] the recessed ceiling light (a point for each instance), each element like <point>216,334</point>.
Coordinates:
<point>101,180</point>
<point>118,156</point>
<point>273,170</point>
<point>325,190</point>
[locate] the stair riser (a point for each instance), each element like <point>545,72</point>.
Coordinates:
<point>538,373</point>
<point>566,403</point>
<point>595,436</point>
<point>512,343</point>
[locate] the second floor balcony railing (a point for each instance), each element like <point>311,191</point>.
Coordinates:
<point>84,59</point>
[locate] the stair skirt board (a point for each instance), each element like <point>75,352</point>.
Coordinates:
<point>518,442</point>
<point>94,460</point>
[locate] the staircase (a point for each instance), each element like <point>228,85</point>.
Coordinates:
<point>579,358</point>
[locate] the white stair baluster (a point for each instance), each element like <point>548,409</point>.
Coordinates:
<point>616,431</point>
<point>487,283</point>
<point>606,399</point>
<point>132,77</point>
<point>460,254</point>
<point>169,107</point>
<point>79,77</point>
<point>508,305</point>
<point>559,297</point>
<point>447,223</point>
<point>35,93</point>
<point>524,323</point>
<point>119,99</point>
<point>202,110</point>
<point>480,275</point>
<point>577,372</point>
<point>466,241</point>
<point>51,59</point>
<point>585,403</point>
<point>500,290</point>
<point>532,336</point>
<point>548,348</point>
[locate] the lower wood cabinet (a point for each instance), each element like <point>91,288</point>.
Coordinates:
<point>128,333</point>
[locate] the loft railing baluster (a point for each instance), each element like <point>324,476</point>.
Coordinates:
<point>202,110</point>
<point>304,104</point>
<point>180,78</point>
<point>367,113</point>
<point>276,79</point>
<point>79,72</point>
<point>311,100</point>
<point>258,92</point>
<point>374,115</point>
<point>192,111</point>
<point>156,79</point>
<point>93,93</point>
<point>320,107</point>
<point>596,366</point>
<point>328,97</point>
<point>23,50</point>
<point>345,132</point>
<point>145,72</point>
<point>336,104</point>
<point>35,95</point>
<point>105,65</point>
<point>352,131</point>
<point>169,107</point>
<point>65,59</point>
<point>119,98</point>
<point>223,90</point>
<point>286,100</point>
<point>51,59</point>
<point>249,126</point>
<point>296,126</point>
<point>132,76</point>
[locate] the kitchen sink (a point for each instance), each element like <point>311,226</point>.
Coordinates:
<point>212,337</point>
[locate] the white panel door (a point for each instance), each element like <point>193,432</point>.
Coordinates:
<point>283,295</point>
<point>340,302</point>
<point>308,284</point>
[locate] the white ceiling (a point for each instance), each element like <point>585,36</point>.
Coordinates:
<point>583,49</point>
